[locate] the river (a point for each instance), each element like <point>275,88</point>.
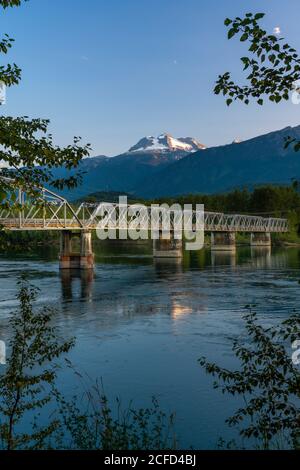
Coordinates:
<point>141,325</point>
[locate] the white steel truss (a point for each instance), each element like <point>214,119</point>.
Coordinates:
<point>52,212</point>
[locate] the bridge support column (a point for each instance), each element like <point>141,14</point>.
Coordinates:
<point>86,252</point>
<point>223,241</point>
<point>260,239</point>
<point>167,248</point>
<point>70,260</point>
<point>65,250</point>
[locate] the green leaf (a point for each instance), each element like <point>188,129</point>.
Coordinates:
<point>244,37</point>
<point>227,22</point>
<point>231,33</point>
<point>229,101</point>
<point>258,16</point>
<point>272,58</point>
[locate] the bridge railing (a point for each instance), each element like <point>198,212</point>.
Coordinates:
<point>52,212</point>
<point>93,215</point>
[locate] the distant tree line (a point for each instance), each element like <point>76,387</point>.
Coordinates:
<point>263,200</point>
<point>266,200</point>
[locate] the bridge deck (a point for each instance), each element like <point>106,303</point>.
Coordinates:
<point>212,223</point>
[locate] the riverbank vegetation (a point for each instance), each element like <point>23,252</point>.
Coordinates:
<point>268,380</point>
<point>27,241</point>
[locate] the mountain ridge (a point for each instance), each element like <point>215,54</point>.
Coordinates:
<point>151,174</point>
<point>259,160</point>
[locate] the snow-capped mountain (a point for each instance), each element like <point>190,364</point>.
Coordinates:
<point>167,143</point>
<point>126,171</point>
<point>153,173</point>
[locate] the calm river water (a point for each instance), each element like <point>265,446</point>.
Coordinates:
<point>141,325</point>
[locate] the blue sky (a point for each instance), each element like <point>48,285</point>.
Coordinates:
<point>113,71</point>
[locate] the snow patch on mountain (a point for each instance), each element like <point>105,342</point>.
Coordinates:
<point>167,143</point>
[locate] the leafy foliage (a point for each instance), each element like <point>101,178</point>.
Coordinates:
<point>31,372</point>
<point>272,73</point>
<point>99,428</point>
<point>273,67</point>
<point>11,3</point>
<point>27,150</point>
<point>30,154</point>
<point>11,73</point>
<point>268,381</point>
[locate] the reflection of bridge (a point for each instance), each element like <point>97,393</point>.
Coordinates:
<point>49,211</point>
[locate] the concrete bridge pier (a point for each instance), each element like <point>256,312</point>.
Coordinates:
<point>86,251</point>
<point>65,250</point>
<point>259,239</point>
<point>70,260</point>
<point>167,248</point>
<point>223,241</point>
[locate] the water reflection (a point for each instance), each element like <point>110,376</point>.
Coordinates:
<point>77,283</point>
<point>223,258</point>
<point>179,310</point>
<point>261,256</point>
<point>164,267</point>
<point>188,304</point>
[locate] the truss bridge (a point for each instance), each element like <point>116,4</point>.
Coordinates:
<point>49,211</point>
